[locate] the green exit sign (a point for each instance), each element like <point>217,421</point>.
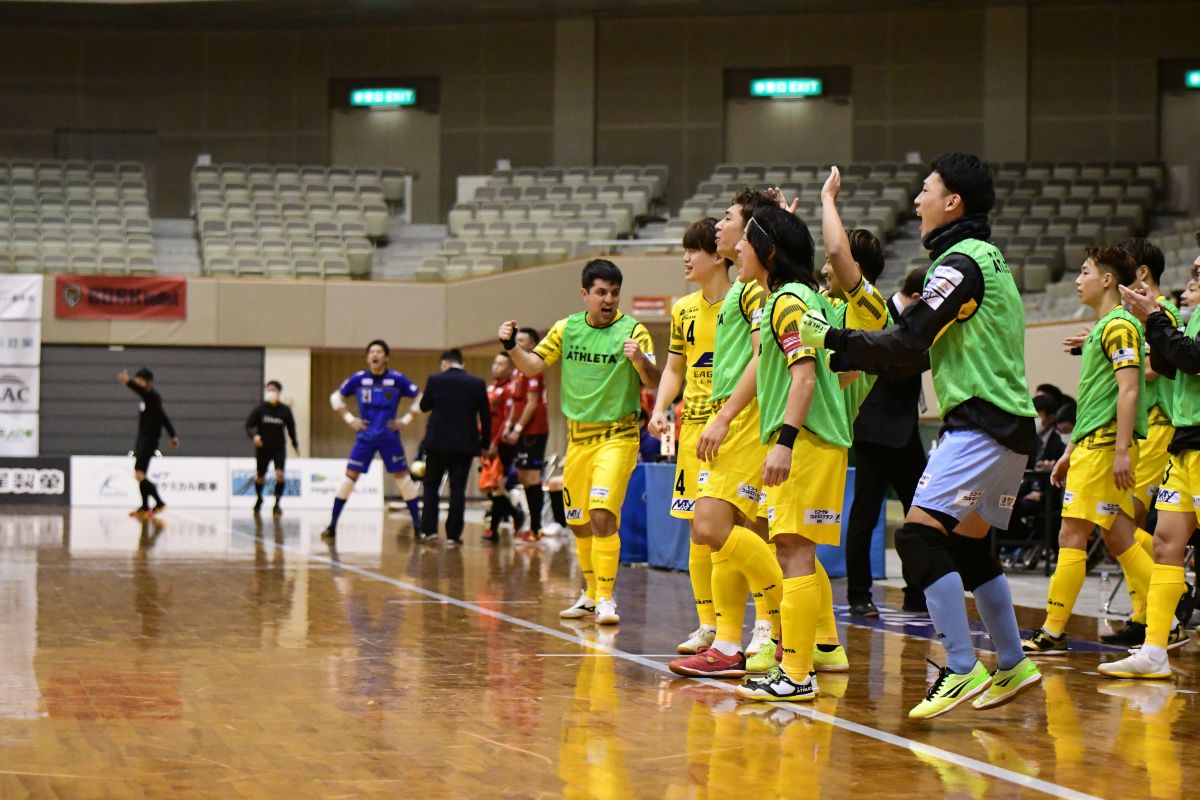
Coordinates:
<point>1192,79</point>
<point>395,97</point>
<point>786,87</point>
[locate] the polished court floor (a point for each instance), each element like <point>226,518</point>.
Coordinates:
<point>210,656</point>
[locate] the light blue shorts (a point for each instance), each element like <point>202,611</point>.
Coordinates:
<point>971,471</point>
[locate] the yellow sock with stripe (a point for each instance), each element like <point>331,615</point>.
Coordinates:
<point>1064,589</point>
<point>583,551</point>
<point>700,570</point>
<point>801,601</point>
<point>729,589</point>
<point>826,631</point>
<point>762,605</point>
<point>1167,585</point>
<point>1146,542</point>
<point>1137,567</point>
<point>606,557</point>
<point>751,556</point>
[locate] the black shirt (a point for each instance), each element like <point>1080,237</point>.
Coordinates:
<point>269,421</point>
<point>152,418</point>
<point>1172,351</point>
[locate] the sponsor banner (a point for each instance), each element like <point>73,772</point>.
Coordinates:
<point>119,297</point>
<point>21,343</point>
<point>19,389</point>
<point>20,297</point>
<point>35,481</point>
<point>651,306</point>
<point>309,483</point>
<point>107,481</point>
<point>19,434</point>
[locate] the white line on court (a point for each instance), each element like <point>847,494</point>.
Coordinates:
<point>966,762</point>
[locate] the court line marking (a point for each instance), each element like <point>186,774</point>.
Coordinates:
<point>966,762</point>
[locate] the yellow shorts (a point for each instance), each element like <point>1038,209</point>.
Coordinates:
<point>599,461</point>
<point>689,471</point>
<point>1091,493</point>
<point>735,475</point>
<point>1152,462</point>
<point>810,501</point>
<point>1181,484</point>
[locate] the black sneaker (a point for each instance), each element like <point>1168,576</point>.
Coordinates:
<point>277,510</point>
<point>422,538</point>
<point>1185,607</point>
<point>329,534</point>
<point>1043,644</point>
<point>864,609</point>
<point>776,684</point>
<point>1133,634</point>
<point>258,505</point>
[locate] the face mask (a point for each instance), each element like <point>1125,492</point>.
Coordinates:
<point>271,396</point>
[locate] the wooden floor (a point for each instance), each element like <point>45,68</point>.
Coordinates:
<point>205,658</point>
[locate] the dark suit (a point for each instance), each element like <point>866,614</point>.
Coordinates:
<point>887,451</point>
<point>460,427</point>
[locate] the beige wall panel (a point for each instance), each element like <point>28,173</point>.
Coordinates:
<point>958,33</point>
<point>650,97</point>
<point>247,55</point>
<point>460,156</point>
<point>359,53</point>
<point>536,297</point>
<point>1136,92</point>
<point>1068,33</point>
<point>28,144</point>
<point>518,100</point>
<point>525,148</point>
<point>1171,27</point>
<point>1134,139</point>
<point>29,103</point>
<point>251,312</point>
<point>462,101</point>
<point>933,92</point>
<point>704,95</point>
<point>144,105</point>
<point>200,327</point>
<point>48,55</point>
<point>871,141</point>
<point>635,45</point>
<point>441,49</point>
<point>1069,140</point>
<point>839,38</point>
<point>936,137</point>
<point>408,315</point>
<point>519,47</point>
<point>311,97</point>
<point>872,92</point>
<point>246,105</point>
<point>311,59</point>
<point>311,148</point>
<point>1071,89</point>
<point>124,55</point>
<point>293,368</point>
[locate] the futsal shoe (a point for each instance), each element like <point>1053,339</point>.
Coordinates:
<point>764,660</point>
<point>1140,665</point>
<point>258,504</point>
<point>1043,644</point>
<point>760,638</point>
<point>709,662</point>
<point>1131,634</point>
<point>830,660</point>
<point>778,685</point>
<point>701,637</point>
<point>582,607</point>
<point>158,509</point>
<point>329,534</point>
<point>140,513</point>
<point>277,511</point>
<point>530,536</point>
<point>864,609</point>
<point>606,611</point>
<point>1007,684</point>
<point>951,689</point>
<point>1178,637</point>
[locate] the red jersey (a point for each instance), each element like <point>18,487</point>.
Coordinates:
<point>498,401</point>
<point>519,390</point>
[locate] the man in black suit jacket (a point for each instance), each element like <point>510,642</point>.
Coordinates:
<point>887,451</point>
<point>459,430</point>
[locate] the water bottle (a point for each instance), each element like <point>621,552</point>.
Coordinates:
<point>1105,590</point>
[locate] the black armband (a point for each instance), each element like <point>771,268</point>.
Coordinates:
<point>787,436</point>
<point>510,342</point>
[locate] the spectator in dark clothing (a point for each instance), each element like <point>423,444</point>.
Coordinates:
<point>152,419</point>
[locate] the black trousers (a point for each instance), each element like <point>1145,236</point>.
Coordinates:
<point>437,464</point>
<point>877,467</point>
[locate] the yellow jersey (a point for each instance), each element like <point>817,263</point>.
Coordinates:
<point>693,336</point>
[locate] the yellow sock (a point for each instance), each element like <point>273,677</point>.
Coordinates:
<point>1137,566</point>
<point>606,557</point>
<point>729,589</point>
<point>752,557</point>
<point>583,551</point>
<point>801,598</point>
<point>700,570</point>
<point>1146,540</point>
<point>826,626</point>
<point>1064,588</point>
<point>1166,587</point>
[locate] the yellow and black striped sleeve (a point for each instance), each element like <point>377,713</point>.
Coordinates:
<point>551,346</point>
<point>642,336</point>
<point>867,307</point>
<point>752,303</point>
<point>678,336</point>
<point>1122,343</point>
<point>785,326</point>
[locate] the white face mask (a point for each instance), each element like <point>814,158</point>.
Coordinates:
<point>271,396</point>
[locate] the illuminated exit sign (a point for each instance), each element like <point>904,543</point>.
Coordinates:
<point>395,97</point>
<point>1192,79</point>
<point>786,87</point>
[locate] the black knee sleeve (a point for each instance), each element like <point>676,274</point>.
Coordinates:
<point>924,554</point>
<point>974,560</point>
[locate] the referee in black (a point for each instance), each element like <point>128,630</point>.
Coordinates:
<point>266,426</point>
<point>151,422</point>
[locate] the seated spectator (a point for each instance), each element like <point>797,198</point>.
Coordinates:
<point>1065,419</point>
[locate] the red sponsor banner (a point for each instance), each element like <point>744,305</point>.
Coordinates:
<point>119,297</point>
<point>651,306</point>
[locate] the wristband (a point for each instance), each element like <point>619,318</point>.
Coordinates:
<point>518,428</point>
<point>787,436</point>
<point>511,341</point>
<point>346,415</point>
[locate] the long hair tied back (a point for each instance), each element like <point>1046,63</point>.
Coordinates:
<point>784,247</point>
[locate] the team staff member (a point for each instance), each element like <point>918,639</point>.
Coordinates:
<point>379,391</point>
<point>495,462</point>
<point>528,430</point>
<point>690,366</point>
<point>265,427</point>
<point>152,419</point>
<point>606,357</point>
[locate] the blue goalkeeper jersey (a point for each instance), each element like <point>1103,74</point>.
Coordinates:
<point>378,398</point>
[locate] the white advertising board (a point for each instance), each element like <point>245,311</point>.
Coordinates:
<point>311,483</point>
<point>19,434</point>
<point>108,482</point>
<point>21,343</point>
<point>20,297</point>
<point>20,389</point>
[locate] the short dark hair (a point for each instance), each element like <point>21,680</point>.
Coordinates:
<point>387,351</point>
<point>1066,413</point>
<point>1052,390</point>
<point>1045,404</point>
<point>1145,254</point>
<point>145,374</point>
<point>784,246</point>
<point>276,384</point>
<point>701,235</point>
<point>969,178</point>
<point>601,269</point>
<point>914,282</point>
<point>751,200</point>
<point>867,250</point>
<point>1114,259</point>
<point>453,355</point>
<point>503,353</point>
<point>532,333</point>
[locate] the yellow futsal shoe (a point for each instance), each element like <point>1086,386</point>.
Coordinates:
<point>950,689</point>
<point>830,660</point>
<point>1007,684</point>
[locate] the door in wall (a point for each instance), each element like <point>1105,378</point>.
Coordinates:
<point>810,130</point>
<point>408,138</point>
<point>1178,123</point>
